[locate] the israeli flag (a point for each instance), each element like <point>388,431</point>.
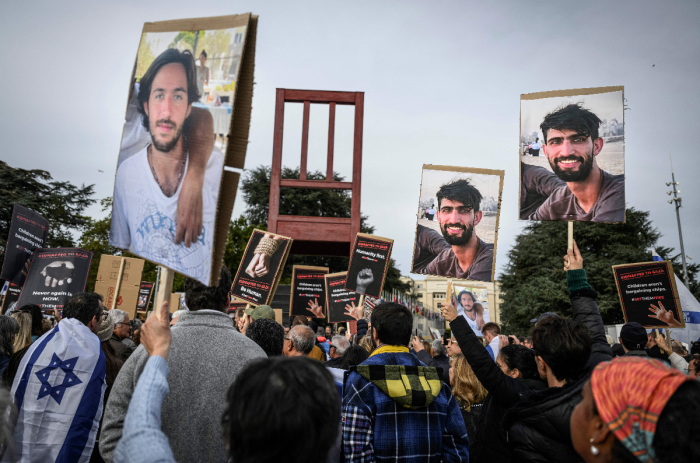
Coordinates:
<point>58,392</point>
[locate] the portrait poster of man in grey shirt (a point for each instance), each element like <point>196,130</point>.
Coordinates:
<point>581,176</point>
<point>461,241</point>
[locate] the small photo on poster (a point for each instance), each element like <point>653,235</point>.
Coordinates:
<point>174,144</point>
<point>339,300</point>
<point>457,222</point>
<point>472,304</point>
<point>572,155</point>
<point>369,262</point>
<point>145,293</point>
<point>308,292</point>
<point>9,302</point>
<point>261,267</point>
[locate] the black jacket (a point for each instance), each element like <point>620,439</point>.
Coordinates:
<point>490,441</point>
<point>122,350</point>
<point>439,361</point>
<point>361,330</point>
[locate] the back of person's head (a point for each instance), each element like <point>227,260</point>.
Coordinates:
<point>439,347</point>
<point>355,355</point>
<point>392,322</point>
<point>118,316</point>
<point>677,431</point>
<point>342,331</point>
<point>465,386</point>
<point>201,297</point>
<point>633,336</point>
<point>24,335</point>
<point>302,338</point>
<point>563,345</point>
<point>340,343</point>
<point>366,343</point>
<point>268,334</point>
<point>521,358</point>
<point>8,418</point>
<point>293,401</point>
<point>313,325</point>
<point>618,350</point>
<point>300,320</point>
<point>8,330</point>
<point>694,365</point>
<point>321,332</point>
<point>491,328</point>
<point>37,318</point>
<point>695,348</point>
<point>83,307</point>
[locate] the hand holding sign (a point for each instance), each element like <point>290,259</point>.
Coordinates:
<point>449,313</point>
<point>316,309</point>
<point>155,333</point>
<point>58,273</point>
<point>573,259</point>
<point>661,314</point>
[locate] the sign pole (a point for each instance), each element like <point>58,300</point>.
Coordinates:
<point>165,288</point>
<point>570,242</point>
<point>115,300</point>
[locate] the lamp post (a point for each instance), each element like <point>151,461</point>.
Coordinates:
<point>678,200</point>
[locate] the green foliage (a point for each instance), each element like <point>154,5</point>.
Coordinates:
<point>534,280</point>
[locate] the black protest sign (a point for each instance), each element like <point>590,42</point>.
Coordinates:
<point>337,298</point>
<point>28,232</point>
<point>55,275</point>
<point>11,297</point>
<point>648,294</point>
<point>369,262</point>
<point>145,293</point>
<point>261,267</point>
<point>308,291</point>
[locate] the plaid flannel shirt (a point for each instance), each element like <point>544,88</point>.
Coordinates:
<point>376,428</point>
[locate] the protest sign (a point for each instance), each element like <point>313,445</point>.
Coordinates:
<point>648,294</point>
<point>457,222</point>
<point>261,267</point>
<point>145,293</point>
<point>119,281</point>
<point>337,298</point>
<point>177,302</point>
<point>55,275</point>
<point>571,140</point>
<point>28,232</point>
<point>308,291</point>
<point>207,64</point>
<point>9,301</point>
<point>369,262</point>
<point>472,304</point>
<point>435,333</point>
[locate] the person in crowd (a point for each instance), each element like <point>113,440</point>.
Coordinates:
<point>656,420</point>
<point>122,330</point>
<point>366,344</point>
<point>268,334</point>
<point>46,325</point>
<point>59,414</point>
<point>286,330</point>
<point>240,318</point>
<point>694,365</point>
<point>354,355</point>
<point>674,358</point>
<point>329,332</point>
<point>316,352</point>
<point>653,349</point>
<point>528,342</point>
<point>491,332</point>
<point>427,347</point>
<point>261,311</point>
<point>289,401</point>
<point>339,344</point>
<point>438,360</point>
<point>8,330</point>
<point>324,343</point>
<point>633,338</point>
<point>207,356</point>
<point>617,350</point>
<point>37,319</point>
<point>24,336</point>
<point>452,347</point>
<point>431,427</point>
<point>176,315</point>
<point>300,342</point>
<point>468,391</point>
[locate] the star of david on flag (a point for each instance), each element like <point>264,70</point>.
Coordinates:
<point>69,379</point>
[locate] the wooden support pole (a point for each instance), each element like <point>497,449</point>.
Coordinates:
<point>115,299</point>
<point>165,289</point>
<point>570,242</point>
<point>448,292</point>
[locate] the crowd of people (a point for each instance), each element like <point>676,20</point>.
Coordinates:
<point>203,385</point>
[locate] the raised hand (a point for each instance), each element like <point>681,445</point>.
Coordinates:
<point>573,259</point>
<point>316,309</point>
<point>449,313</point>
<point>663,315</point>
<point>155,333</point>
<point>354,311</point>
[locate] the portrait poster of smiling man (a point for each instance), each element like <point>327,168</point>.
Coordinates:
<point>457,226</point>
<point>187,118</point>
<point>572,155</point>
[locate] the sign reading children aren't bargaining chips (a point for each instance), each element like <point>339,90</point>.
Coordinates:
<point>28,232</point>
<point>338,298</point>
<point>55,275</point>
<point>369,262</point>
<point>308,291</point>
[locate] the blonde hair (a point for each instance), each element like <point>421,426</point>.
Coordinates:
<point>466,387</point>
<point>366,343</point>
<point>24,336</point>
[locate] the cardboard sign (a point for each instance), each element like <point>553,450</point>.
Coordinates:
<point>216,58</point>
<point>177,302</point>
<point>28,232</point>
<point>145,293</point>
<point>648,294</point>
<point>308,289</point>
<point>9,302</point>
<point>111,273</point>
<point>337,297</point>
<point>261,267</point>
<point>369,262</point>
<point>55,275</point>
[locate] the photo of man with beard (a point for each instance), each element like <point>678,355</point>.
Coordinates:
<point>585,182</point>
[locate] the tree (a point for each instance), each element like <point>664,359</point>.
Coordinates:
<point>534,280</point>
<point>61,203</point>
<point>255,187</point>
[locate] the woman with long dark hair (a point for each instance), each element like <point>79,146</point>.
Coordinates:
<point>8,330</point>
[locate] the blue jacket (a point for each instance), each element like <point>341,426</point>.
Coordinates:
<point>421,423</point>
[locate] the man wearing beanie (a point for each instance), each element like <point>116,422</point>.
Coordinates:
<point>633,338</point>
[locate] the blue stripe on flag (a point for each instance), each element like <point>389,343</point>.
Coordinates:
<point>22,386</point>
<point>85,415</point>
<point>692,317</point>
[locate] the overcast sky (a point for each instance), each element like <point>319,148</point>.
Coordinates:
<point>442,83</point>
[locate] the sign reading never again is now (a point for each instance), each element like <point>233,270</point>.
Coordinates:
<point>648,294</point>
